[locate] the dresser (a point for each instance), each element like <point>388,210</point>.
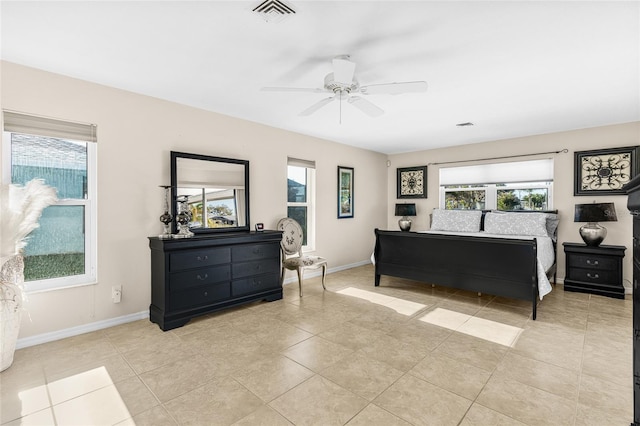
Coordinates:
<point>206,273</point>
<point>596,270</point>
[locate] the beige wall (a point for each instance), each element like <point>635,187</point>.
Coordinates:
<point>135,135</point>
<point>619,233</point>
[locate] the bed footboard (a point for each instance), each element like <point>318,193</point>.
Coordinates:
<point>499,266</point>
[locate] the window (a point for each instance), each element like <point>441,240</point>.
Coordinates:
<point>61,251</point>
<point>301,198</point>
<point>522,185</point>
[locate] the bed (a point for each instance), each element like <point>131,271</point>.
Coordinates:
<point>511,255</point>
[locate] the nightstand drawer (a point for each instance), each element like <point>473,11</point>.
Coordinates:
<point>596,276</point>
<point>591,261</point>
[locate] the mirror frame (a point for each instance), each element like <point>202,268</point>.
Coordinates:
<point>174,190</point>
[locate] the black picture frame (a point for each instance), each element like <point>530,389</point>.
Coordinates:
<point>411,182</point>
<point>346,181</point>
<point>604,171</point>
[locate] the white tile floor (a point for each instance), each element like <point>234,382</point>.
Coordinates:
<point>403,353</point>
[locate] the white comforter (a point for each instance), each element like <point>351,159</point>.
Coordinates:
<point>546,254</point>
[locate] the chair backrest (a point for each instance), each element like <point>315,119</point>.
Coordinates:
<point>291,236</point>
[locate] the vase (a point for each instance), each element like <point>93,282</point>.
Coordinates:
<point>11,282</point>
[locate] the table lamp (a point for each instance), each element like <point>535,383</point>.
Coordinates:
<point>592,233</point>
<point>405,210</point>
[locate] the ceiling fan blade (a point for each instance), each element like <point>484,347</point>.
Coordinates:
<point>313,108</point>
<point>365,106</point>
<point>343,70</point>
<point>394,88</point>
<point>292,89</point>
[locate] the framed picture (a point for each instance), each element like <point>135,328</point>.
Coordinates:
<point>345,192</point>
<point>604,171</point>
<point>412,182</point>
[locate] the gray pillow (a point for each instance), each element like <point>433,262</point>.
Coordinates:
<point>516,224</point>
<point>456,220</point>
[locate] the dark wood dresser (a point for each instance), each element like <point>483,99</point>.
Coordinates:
<point>596,270</point>
<point>633,204</point>
<point>206,273</point>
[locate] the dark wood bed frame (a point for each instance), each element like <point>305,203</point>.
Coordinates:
<point>498,266</point>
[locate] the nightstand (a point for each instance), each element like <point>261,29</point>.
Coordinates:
<point>596,270</point>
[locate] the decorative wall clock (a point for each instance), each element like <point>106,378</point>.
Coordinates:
<point>604,171</point>
<point>412,182</point>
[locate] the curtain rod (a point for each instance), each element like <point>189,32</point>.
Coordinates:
<point>500,158</point>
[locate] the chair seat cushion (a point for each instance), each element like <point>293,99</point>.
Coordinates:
<point>304,261</point>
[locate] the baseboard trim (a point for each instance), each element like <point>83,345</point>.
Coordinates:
<point>318,272</point>
<point>25,342</point>
<point>38,339</point>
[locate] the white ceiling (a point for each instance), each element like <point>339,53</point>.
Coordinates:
<point>512,68</point>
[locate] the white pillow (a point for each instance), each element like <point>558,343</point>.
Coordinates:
<point>516,224</point>
<point>456,220</point>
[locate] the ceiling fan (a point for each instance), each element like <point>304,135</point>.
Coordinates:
<point>342,84</point>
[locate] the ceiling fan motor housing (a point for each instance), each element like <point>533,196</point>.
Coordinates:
<point>331,84</point>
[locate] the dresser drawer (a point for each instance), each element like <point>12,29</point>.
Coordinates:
<point>255,284</point>
<point>596,276</point>
<point>248,269</point>
<point>199,258</point>
<point>196,277</point>
<point>200,296</point>
<point>591,261</point>
<point>250,252</point>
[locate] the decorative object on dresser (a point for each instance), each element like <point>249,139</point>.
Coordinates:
<point>592,233</point>
<point>633,204</point>
<point>604,171</point>
<point>594,269</point>
<point>345,192</point>
<point>405,210</point>
<point>209,272</point>
<point>292,257</point>
<point>166,217</point>
<point>412,182</point>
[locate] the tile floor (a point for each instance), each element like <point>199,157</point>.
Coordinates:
<point>400,354</point>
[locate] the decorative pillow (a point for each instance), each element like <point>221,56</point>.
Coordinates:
<point>456,220</point>
<point>516,224</point>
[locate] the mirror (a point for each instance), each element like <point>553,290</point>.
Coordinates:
<point>215,191</point>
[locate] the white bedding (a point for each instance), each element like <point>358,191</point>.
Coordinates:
<point>546,254</point>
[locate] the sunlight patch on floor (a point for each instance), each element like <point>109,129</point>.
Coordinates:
<point>401,306</point>
<point>485,329</point>
<point>89,397</point>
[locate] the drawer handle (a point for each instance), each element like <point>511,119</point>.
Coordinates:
<point>257,282</point>
<point>201,278</point>
<point>206,293</point>
<point>592,262</point>
<point>201,258</point>
<point>256,251</point>
<point>594,276</point>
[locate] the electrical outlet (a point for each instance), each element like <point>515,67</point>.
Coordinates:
<point>116,293</point>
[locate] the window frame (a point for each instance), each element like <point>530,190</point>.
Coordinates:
<point>491,192</point>
<point>90,218</point>
<point>309,204</point>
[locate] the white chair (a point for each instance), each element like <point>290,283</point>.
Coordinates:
<point>292,258</point>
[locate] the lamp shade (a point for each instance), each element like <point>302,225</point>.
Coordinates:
<point>405,209</point>
<point>596,212</point>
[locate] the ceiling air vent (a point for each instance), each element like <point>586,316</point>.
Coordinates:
<point>274,10</point>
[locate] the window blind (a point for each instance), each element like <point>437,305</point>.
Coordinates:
<point>42,126</point>
<point>517,171</point>
<point>296,162</point>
